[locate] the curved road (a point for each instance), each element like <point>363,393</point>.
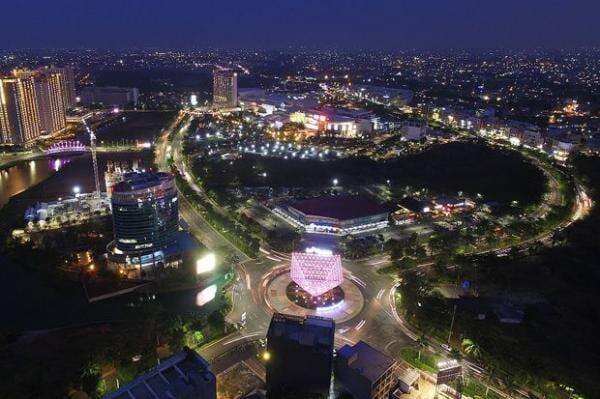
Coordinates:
<point>378,323</point>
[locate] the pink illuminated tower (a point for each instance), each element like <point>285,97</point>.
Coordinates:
<point>316,272</point>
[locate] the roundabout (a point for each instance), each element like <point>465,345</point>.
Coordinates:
<point>342,303</point>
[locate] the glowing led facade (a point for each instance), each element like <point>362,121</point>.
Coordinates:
<point>33,103</point>
<point>316,273</point>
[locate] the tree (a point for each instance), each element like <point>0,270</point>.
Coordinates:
<point>423,342</point>
<point>471,348</point>
<point>90,379</point>
<point>455,354</point>
<point>420,252</point>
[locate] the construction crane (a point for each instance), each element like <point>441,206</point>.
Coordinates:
<point>94,158</point>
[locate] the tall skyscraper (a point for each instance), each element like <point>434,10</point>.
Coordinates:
<point>66,80</point>
<point>69,79</point>
<point>32,104</point>
<point>300,355</point>
<point>225,91</point>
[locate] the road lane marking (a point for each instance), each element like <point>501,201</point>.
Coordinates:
<point>360,325</point>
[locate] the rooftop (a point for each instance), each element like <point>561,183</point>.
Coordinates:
<point>412,204</point>
<point>366,360</point>
<point>305,330</point>
<point>140,180</point>
<point>341,207</point>
<point>183,375</point>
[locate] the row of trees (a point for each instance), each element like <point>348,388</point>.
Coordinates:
<point>237,233</point>
<point>562,278</point>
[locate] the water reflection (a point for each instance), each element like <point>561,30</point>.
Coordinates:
<point>23,175</point>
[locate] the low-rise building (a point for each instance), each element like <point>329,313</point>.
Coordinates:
<point>387,96</point>
<point>340,122</point>
<point>268,102</point>
<point>109,96</point>
<point>338,215</point>
<point>183,375</point>
<point>523,133</point>
<point>413,130</point>
<point>364,372</point>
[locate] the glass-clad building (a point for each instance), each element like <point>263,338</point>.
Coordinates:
<point>145,220</point>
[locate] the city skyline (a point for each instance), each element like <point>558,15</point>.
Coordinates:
<point>433,24</point>
<point>348,199</point>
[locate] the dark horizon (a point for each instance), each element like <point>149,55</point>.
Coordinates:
<point>336,24</point>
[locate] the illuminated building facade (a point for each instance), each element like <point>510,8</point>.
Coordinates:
<point>341,122</point>
<point>316,272</point>
<point>225,90</point>
<point>300,352</point>
<point>145,222</point>
<point>339,215</point>
<point>33,103</point>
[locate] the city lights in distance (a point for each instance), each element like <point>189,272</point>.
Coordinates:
<point>206,264</point>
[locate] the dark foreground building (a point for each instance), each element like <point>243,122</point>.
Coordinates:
<point>365,372</point>
<point>183,375</point>
<point>301,355</point>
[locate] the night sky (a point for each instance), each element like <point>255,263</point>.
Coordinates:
<point>387,24</point>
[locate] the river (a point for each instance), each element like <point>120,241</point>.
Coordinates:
<point>46,179</point>
<point>50,177</point>
<point>25,174</point>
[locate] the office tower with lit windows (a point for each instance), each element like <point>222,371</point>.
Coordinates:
<point>50,86</point>
<point>32,104</point>
<point>225,90</point>
<point>300,355</point>
<point>145,223</point>
<point>69,94</point>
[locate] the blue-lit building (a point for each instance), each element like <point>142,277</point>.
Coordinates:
<point>145,222</point>
<point>301,355</point>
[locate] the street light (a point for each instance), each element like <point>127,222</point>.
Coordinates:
<point>76,190</point>
<point>206,264</point>
<point>335,182</point>
<point>266,356</point>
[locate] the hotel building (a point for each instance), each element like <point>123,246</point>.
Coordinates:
<point>225,90</point>
<point>33,103</point>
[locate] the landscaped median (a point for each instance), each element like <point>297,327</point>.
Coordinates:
<point>236,233</point>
